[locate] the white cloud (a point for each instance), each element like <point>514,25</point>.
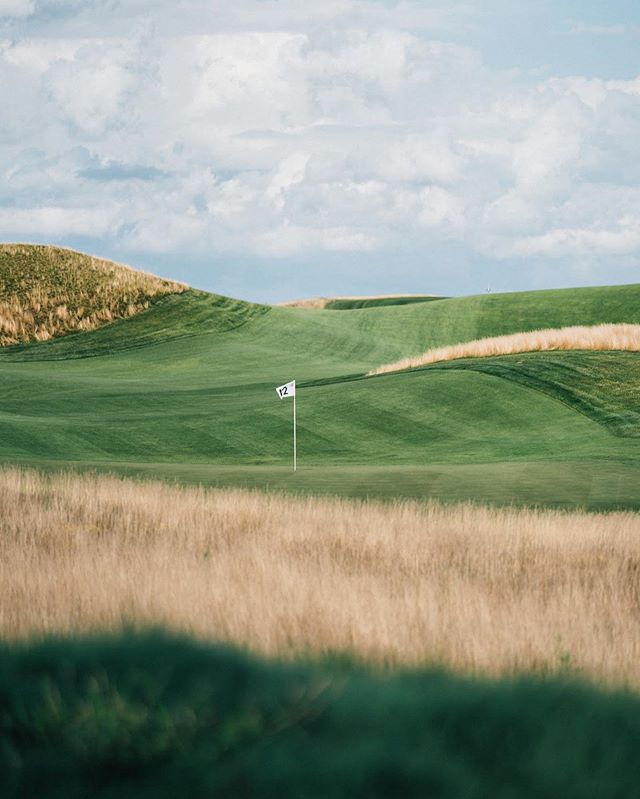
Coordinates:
<point>91,89</point>
<point>55,221</point>
<point>441,209</point>
<point>291,239</point>
<point>290,172</point>
<point>16,8</point>
<point>288,136</point>
<point>91,17</point>
<point>561,242</point>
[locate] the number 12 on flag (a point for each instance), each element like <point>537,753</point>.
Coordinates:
<point>288,390</point>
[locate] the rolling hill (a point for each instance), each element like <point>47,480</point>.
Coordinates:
<point>46,292</point>
<point>185,390</point>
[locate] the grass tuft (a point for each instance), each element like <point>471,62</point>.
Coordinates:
<point>579,337</point>
<point>623,337</point>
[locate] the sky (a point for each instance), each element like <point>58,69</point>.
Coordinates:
<point>278,149</point>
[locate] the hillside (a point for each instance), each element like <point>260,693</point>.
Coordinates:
<point>185,390</point>
<point>47,292</point>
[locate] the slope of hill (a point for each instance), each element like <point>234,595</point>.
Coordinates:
<point>185,389</point>
<point>49,291</point>
<point>604,386</point>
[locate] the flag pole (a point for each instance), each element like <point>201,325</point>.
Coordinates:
<point>295,443</point>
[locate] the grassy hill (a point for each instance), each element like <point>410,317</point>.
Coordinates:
<point>185,390</point>
<point>49,291</point>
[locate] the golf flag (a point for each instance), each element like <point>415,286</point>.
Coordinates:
<point>288,390</point>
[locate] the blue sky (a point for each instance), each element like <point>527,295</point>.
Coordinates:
<point>593,38</point>
<point>273,149</point>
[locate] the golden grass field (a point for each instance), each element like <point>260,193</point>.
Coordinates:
<point>594,337</point>
<point>49,291</point>
<point>476,589</point>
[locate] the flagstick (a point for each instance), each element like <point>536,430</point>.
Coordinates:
<point>295,443</point>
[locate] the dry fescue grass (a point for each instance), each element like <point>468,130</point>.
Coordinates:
<point>311,302</point>
<point>322,302</point>
<point>49,291</point>
<point>595,337</point>
<point>480,590</point>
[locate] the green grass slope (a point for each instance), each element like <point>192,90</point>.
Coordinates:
<point>604,386</point>
<point>185,390</point>
<point>156,716</point>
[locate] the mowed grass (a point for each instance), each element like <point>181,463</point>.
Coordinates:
<point>482,591</point>
<point>351,303</point>
<point>186,390</point>
<point>454,435</point>
<point>605,386</point>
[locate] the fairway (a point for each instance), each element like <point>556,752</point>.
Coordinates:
<point>185,390</point>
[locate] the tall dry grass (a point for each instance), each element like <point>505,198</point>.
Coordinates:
<point>311,302</point>
<point>481,590</point>
<point>49,291</point>
<point>595,337</point>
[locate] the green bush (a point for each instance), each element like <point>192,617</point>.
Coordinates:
<point>149,715</point>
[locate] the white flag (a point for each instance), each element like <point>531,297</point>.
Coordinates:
<point>288,390</point>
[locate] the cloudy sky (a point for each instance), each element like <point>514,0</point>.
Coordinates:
<point>272,149</point>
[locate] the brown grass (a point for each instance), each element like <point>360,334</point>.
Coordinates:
<point>595,337</point>
<point>481,590</point>
<point>49,291</point>
<point>311,302</point>
<point>322,302</point>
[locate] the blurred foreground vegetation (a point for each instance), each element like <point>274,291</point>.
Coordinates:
<point>150,715</point>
